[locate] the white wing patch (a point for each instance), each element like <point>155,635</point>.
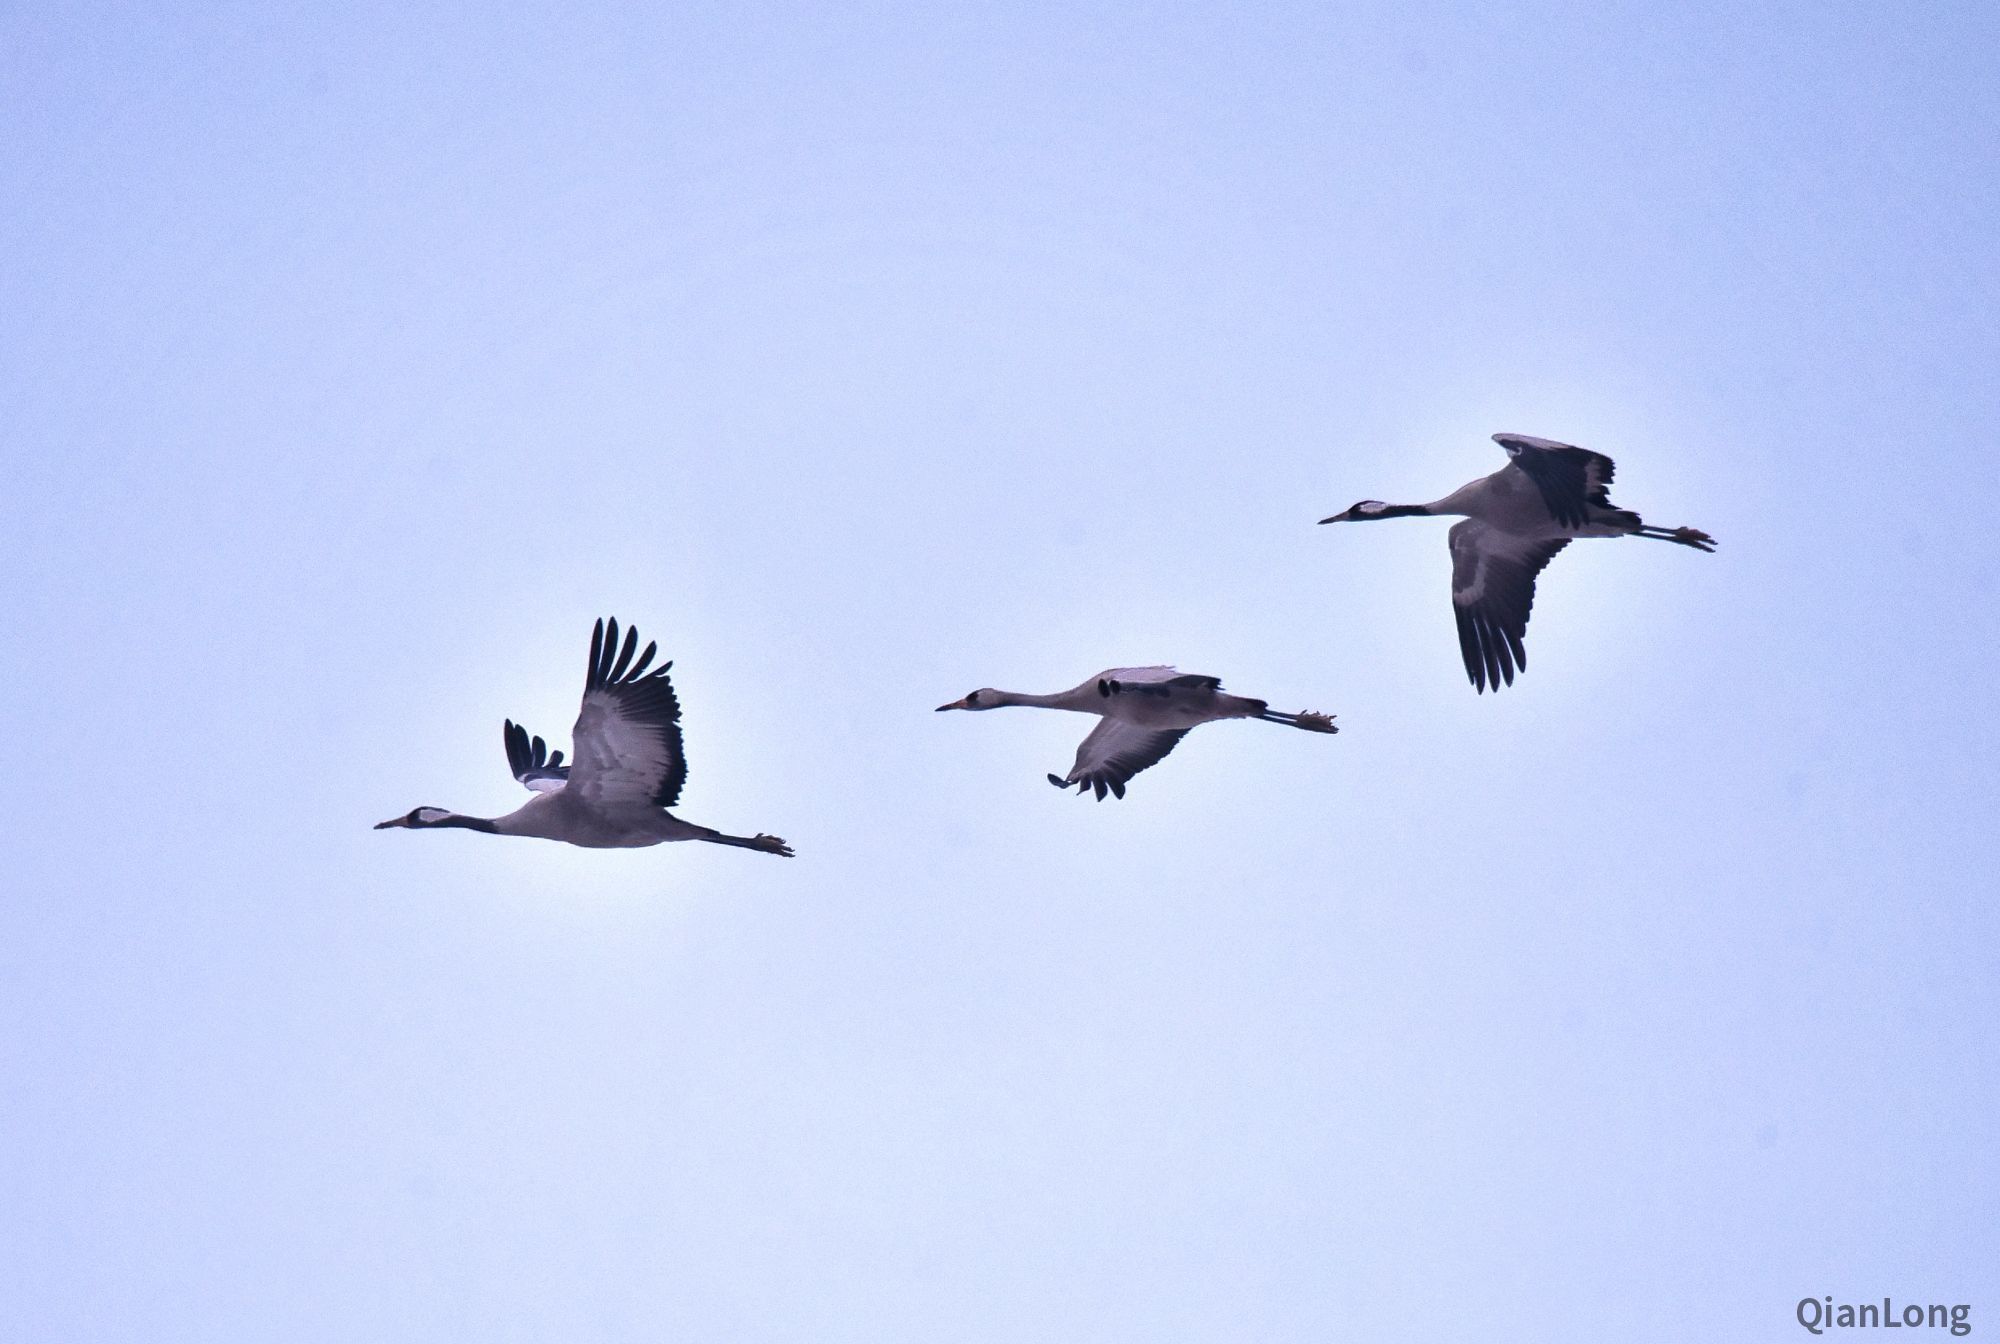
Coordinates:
<point>1139,674</point>
<point>538,770</point>
<point>1513,443</point>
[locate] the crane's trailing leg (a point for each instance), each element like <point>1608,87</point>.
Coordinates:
<point>1685,536</point>
<point>768,844</point>
<point>1308,720</point>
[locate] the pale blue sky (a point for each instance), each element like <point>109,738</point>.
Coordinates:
<point>352,360</point>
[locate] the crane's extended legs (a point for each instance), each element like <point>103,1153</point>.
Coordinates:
<point>1685,536</point>
<point>1308,720</point>
<point>768,844</point>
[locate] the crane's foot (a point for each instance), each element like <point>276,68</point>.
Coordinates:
<point>1695,537</point>
<point>1314,722</point>
<point>771,844</point>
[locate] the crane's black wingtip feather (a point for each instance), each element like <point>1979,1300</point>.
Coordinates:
<point>611,659</point>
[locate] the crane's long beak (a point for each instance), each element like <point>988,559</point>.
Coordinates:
<point>956,704</point>
<point>1337,518</point>
<point>393,821</point>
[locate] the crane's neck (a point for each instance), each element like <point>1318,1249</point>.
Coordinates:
<point>1060,700</point>
<point>1469,500</point>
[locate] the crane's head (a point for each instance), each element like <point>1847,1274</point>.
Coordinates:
<point>983,698</point>
<point>1361,512</point>
<point>419,817</point>
<point>1369,509</point>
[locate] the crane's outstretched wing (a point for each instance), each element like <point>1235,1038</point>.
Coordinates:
<point>1160,682</point>
<point>531,761</point>
<point>1149,681</point>
<point>1569,478</point>
<point>628,733</point>
<point>1492,592</point>
<point>1158,672</point>
<point>1113,753</point>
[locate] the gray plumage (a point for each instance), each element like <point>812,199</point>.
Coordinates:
<point>629,767</point>
<point>1146,711</point>
<point>1516,521</point>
